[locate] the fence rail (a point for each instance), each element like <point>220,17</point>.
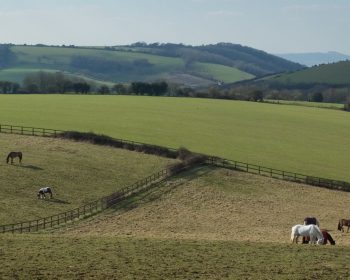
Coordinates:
<point>113,199</point>
<point>279,174</point>
<point>87,209</point>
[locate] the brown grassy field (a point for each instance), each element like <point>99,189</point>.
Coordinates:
<point>222,205</point>
<point>206,224</point>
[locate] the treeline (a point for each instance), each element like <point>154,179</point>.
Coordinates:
<point>46,82</point>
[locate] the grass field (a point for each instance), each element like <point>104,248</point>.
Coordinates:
<point>78,173</point>
<point>222,73</point>
<point>334,74</point>
<point>312,141</point>
<point>205,224</point>
<point>57,257</point>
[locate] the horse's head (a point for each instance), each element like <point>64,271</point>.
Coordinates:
<point>38,195</point>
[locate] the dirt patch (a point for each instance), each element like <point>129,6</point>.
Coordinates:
<point>224,205</point>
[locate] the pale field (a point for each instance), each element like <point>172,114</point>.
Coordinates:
<point>222,205</point>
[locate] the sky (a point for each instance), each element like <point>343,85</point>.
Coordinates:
<point>275,26</point>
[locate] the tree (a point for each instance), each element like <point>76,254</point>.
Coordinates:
<point>104,89</point>
<point>257,95</point>
<point>120,89</point>
<point>316,97</point>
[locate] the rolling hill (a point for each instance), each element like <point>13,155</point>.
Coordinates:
<point>335,74</point>
<point>189,65</point>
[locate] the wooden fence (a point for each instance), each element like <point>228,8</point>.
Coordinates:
<point>279,174</point>
<point>87,209</point>
<point>115,198</point>
<point>32,131</point>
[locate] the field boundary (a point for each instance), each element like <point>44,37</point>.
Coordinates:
<point>88,209</point>
<point>174,153</point>
<point>279,174</point>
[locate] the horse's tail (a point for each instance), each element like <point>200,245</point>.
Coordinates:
<point>20,156</point>
<point>8,157</point>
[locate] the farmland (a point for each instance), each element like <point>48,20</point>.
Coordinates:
<point>204,224</point>
<point>78,173</point>
<point>311,141</point>
<point>98,64</point>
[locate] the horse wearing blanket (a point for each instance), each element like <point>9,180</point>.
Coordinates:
<point>313,231</point>
<point>43,191</point>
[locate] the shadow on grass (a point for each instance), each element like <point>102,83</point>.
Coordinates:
<point>33,167</point>
<point>160,189</point>
<point>57,200</point>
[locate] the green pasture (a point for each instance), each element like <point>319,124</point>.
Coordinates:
<point>221,72</point>
<point>313,141</point>
<point>61,257</point>
<point>335,73</point>
<point>78,173</point>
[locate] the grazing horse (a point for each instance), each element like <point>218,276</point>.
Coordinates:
<point>326,236</point>
<point>13,155</point>
<point>313,231</point>
<point>342,223</point>
<point>43,191</point>
<point>311,221</point>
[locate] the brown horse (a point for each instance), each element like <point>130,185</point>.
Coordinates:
<point>311,221</point>
<point>342,223</point>
<point>326,238</point>
<point>13,155</point>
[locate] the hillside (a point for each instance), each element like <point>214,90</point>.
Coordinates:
<point>336,74</point>
<point>316,58</point>
<point>77,172</point>
<point>219,204</point>
<point>259,133</point>
<point>194,66</point>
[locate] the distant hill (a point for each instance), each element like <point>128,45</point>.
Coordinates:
<point>192,66</point>
<point>335,74</point>
<point>311,59</point>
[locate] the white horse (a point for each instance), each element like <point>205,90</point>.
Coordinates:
<point>307,230</point>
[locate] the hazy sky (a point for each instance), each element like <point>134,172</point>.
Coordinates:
<point>276,26</point>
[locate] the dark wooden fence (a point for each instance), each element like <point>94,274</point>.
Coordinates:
<point>279,174</point>
<point>33,131</point>
<point>87,209</point>
<point>115,198</point>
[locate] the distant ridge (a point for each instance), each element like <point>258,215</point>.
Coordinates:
<point>316,58</point>
<point>194,66</point>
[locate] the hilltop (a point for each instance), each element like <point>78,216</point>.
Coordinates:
<point>189,65</point>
